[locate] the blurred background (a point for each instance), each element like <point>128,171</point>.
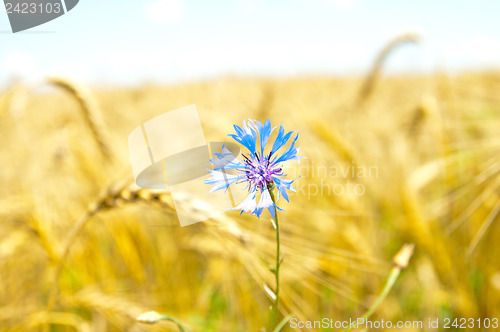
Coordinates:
<point>181,40</point>
<point>397,105</point>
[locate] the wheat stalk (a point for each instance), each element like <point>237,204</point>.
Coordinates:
<point>90,110</point>
<point>266,102</point>
<point>374,74</point>
<point>16,99</point>
<point>112,197</point>
<point>119,310</point>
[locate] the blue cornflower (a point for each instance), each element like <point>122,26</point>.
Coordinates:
<point>259,170</point>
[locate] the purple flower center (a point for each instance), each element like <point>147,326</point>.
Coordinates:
<point>259,171</point>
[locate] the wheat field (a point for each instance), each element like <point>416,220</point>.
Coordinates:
<point>84,249</point>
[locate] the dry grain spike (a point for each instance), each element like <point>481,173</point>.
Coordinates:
<point>111,198</point>
<point>329,135</point>
<point>266,102</point>
<point>374,73</point>
<point>90,109</point>
<point>14,100</point>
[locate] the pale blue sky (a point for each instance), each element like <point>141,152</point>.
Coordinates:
<point>130,42</point>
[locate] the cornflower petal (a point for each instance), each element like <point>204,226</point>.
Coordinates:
<point>246,140</point>
<point>281,139</point>
<point>289,154</point>
<point>223,159</point>
<point>221,180</point>
<point>283,185</point>
<point>265,199</point>
<point>264,131</point>
<point>249,204</point>
<point>234,164</point>
<point>246,136</point>
<point>256,170</point>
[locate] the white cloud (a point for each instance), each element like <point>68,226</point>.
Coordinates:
<point>165,11</point>
<point>85,71</point>
<point>410,29</point>
<point>476,51</point>
<point>248,6</point>
<point>20,64</point>
<point>346,4</point>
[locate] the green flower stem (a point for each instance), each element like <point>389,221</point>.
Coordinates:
<point>400,261</point>
<point>282,324</point>
<point>391,280</point>
<point>393,276</point>
<point>175,321</point>
<point>274,313</point>
<point>153,317</point>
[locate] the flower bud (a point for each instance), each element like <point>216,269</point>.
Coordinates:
<point>150,317</point>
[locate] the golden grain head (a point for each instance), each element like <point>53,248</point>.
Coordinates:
<point>82,247</point>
